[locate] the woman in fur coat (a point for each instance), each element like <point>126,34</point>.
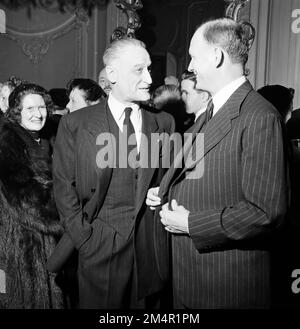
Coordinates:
<point>29,223</point>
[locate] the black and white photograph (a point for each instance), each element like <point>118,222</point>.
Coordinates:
<point>149,160</point>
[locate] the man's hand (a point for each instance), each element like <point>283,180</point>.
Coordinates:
<point>153,200</point>
<point>175,220</point>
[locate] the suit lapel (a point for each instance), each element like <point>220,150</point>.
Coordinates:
<point>146,171</point>
<point>97,125</point>
<point>217,129</point>
<point>220,124</point>
<point>99,128</point>
<point>177,165</point>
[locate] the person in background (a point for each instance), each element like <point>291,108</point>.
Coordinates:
<point>83,93</point>
<point>293,129</point>
<point>195,100</point>
<point>103,82</point>
<point>280,97</point>
<point>60,99</point>
<point>293,133</point>
<point>165,94</point>
<point>171,80</point>
<point>29,222</point>
<point>5,90</point>
<point>167,98</point>
<point>1,112</point>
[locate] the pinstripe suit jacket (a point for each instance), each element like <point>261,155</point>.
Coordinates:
<point>236,204</point>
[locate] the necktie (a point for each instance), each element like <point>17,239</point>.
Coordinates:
<point>130,132</point>
<point>127,122</point>
<point>209,110</point>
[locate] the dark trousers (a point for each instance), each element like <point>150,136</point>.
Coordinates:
<point>106,273</point>
<point>106,277</point>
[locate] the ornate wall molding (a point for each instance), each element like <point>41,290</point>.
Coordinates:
<point>234,8</point>
<point>129,7</point>
<point>234,11</point>
<point>36,44</point>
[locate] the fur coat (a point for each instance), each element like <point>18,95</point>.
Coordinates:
<point>29,223</point>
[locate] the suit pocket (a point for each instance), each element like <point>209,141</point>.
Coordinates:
<point>92,245</point>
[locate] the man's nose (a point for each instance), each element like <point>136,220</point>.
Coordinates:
<point>147,77</point>
<point>37,112</point>
<point>68,106</point>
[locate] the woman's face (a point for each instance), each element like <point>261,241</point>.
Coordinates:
<point>34,112</point>
<point>4,94</point>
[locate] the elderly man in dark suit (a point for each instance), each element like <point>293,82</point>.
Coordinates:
<point>223,208</point>
<point>101,198</point>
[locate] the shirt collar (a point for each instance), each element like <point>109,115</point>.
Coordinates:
<point>117,108</point>
<point>202,110</point>
<point>221,97</point>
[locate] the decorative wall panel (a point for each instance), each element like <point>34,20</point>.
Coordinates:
<point>275,57</point>
<point>45,47</point>
<point>51,47</point>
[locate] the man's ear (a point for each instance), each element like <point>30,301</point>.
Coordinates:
<point>111,73</point>
<point>219,57</point>
<point>205,96</point>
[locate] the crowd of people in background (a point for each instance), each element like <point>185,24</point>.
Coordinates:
<point>30,225</point>
<point>177,96</point>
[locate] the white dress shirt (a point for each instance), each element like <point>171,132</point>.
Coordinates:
<point>117,110</point>
<point>221,97</point>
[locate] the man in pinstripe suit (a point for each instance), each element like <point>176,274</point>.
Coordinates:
<point>222,221</point>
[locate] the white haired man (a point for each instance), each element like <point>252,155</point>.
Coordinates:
<point>121,257</point>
